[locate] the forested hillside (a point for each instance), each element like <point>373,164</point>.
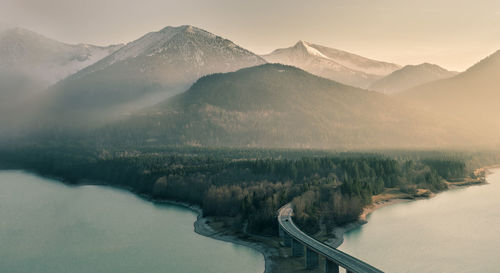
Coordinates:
<point>141,73</point>
<point>248,186</point>
<point>281,106</point>
<point>411,76</point>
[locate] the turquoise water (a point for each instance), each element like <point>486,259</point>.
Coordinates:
<point>46,226</point>
<point>457,231</point>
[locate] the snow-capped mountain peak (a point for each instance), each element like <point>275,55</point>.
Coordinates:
<point>156,66</point>
<point>332,63</point>
<point>147,43</point>
<point>302,45</point>
<point>187,42</point>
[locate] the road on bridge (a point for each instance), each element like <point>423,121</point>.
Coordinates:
<point>340,258</point>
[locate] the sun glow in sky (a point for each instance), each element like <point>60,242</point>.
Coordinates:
<point>451,33</point>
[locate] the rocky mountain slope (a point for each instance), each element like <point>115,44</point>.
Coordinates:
<point>143,72</point>
<point>332,63</point>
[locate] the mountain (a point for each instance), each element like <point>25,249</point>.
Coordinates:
<point>332,63</point>
<point>145,71</point>
<point>30,62</point>
<point>411,76</point>
<point>471,96</point>
<point>274,105</point>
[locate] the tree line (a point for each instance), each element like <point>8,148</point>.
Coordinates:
<point>245,188</point>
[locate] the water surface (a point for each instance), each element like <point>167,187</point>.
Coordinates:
<point>48,227</point>
<point>457,231</point>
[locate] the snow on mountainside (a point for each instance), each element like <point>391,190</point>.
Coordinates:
<point>143,72</point>
<point>202,51</point>
<point>332,63</point>
<point>411,76</point>
<point>357,62</point>
<point>45,60</point>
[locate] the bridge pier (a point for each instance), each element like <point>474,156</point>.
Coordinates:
<point>305,245</point>
<point>287,239</point>
<point>331,267</point>
<point>297,248</point>
<point>312,259</point>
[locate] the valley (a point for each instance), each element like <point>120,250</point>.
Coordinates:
<point>182,115</point>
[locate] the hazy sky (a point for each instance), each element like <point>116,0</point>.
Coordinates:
<point>452,33</point>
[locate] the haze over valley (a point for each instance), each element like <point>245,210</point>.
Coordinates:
<point>30,63</point>
<point>224,136</point>
<point>129,90</point>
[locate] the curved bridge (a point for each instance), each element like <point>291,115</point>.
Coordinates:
<point>334,258</point>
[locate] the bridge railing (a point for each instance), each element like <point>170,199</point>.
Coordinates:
<point>296,239</point>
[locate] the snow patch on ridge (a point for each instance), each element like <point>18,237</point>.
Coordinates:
<point>313,51</point>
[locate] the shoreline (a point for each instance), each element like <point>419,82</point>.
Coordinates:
<point>338,232</point>
<point>202,224</point>
<point>202,227</point>
<point>270,253</point>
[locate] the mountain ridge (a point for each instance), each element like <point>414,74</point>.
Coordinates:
<point>332,63</point>
<point>411,76</point>
<point>153,43</point>
<point>24,49</point>
<point>143,72</point>
<point>31,62</point>
<point>275,105</point>
<point>471,95</point>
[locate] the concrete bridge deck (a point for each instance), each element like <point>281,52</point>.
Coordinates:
<point>334,258</point>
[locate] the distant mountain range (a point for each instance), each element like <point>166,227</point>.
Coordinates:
<point>30,62</point>
<point>411,76</point>
<point>275,105</point>
<point>144,72</point>
<point>235,98</point>
<point>471,96</point>
<point>332,63</point>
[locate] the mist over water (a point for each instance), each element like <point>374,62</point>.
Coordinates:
<point>456,231</point>
<point>216,103</point>
<point>49,227</point>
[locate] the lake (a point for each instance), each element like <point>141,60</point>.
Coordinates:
<point>456,231</point>
<point>47,227</point>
